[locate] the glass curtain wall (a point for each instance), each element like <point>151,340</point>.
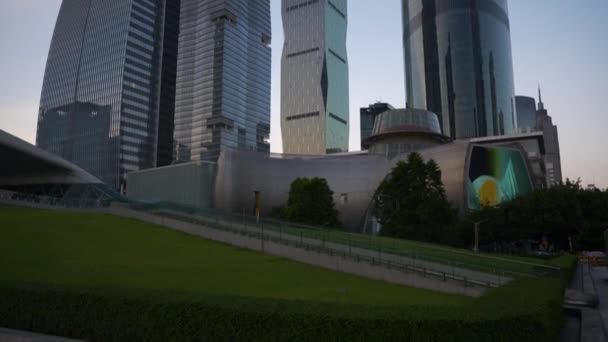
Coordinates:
<point>458,64</point>
<point>315,116</point>
<point>100,96</point>
<point>223,78</point>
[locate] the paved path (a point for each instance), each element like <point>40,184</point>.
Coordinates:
<point>600,278</point>
<point>8,335</point>
<point>593,323</point>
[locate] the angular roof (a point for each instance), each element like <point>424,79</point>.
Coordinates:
<point>22,163</point>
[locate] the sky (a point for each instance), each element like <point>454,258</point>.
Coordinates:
<point>559,44</point>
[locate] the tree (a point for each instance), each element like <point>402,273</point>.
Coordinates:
<point>411,202</point>
<point>311,202</point>
<point>564,213</point>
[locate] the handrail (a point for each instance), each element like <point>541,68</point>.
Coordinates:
<point>53,202</point>
<point>321,247</point>
<point>376,244</point>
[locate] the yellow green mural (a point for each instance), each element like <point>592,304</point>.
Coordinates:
<point>496,175</point>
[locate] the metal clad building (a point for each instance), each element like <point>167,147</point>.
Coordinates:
<point>223,78</point>
<point>99,105</point>
<point>315,114</point>
<point>354,178</point>
<point>458,64</point>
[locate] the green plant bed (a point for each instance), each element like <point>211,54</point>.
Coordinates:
<point>102,278</point>
<point>518,312</point>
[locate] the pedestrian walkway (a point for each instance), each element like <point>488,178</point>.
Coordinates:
<point>588,282</point>
<point>8,335</point>
<point>600,279</point>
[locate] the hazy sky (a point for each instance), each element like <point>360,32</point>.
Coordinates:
<point>561,44</point>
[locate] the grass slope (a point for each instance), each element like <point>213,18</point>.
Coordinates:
<point>491,263</point>
<point>102,278</point>
<point>105,252</point>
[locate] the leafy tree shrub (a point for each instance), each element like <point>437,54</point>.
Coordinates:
<point>411,202</point>
<point>311,202</point>
<point>527,309</point>
<point>565,213</point>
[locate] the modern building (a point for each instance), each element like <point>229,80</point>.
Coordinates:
<point>107,94</point>
<point>526,113</point>
<point>315,115</point>
<point>458,64</point>
<point>368,116</point>
<point>472,172</point>
<point>31,174</point>
<point>223,78</point>
<point>400,131</point>
<point>553,162</point>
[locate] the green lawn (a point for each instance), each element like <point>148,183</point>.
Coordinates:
<point>103,278</point>
<point>109,253</point>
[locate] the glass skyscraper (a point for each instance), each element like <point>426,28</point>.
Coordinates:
<point>315,114</point>
<point>458,64</point>
<point>526,113</point>
<point>107,92</point>
<point>223,78</point>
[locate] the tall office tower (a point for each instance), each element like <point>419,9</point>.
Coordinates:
<point>526,113</point>
<point>223,78</point>
<point>458,64</point>
<point>368,118</point>
<point>108,86</point>
<point>314,77</point>
<point>553,162</point>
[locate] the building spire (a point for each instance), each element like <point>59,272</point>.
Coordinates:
<point>541,105</point>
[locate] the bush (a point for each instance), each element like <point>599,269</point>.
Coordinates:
<point>411,203</point>
<point>311,202</point>
<point>525,310</point>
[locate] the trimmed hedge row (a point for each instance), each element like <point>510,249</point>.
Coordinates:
<point>525,310</point>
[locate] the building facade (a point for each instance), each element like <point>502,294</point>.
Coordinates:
<point>553,161</point>
<point>315,117</point>
<point>472,172</point>
<point>526,113</point>
<point>223,78</point>
<point>458,64</point>
<point>107,86</point>
<point>367,118</point>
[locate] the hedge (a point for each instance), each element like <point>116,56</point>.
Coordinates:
<point>528,309</point>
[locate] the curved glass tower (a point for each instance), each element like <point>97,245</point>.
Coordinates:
<point>107,87</point>
<point>458,64</point>
<point>314,77</point>
<point>223,78</point>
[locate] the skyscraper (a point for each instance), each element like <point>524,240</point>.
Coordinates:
<point>315,114</point>
<point>223,78</point>
<point>553,162</point>
<point>458,64</point>
<point>107,86</point>
<point>526,113</point>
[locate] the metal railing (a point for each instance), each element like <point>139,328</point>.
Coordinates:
<point>49,201</point>
<point>436,260</point>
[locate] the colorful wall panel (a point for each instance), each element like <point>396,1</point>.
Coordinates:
<point>496,175</point>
